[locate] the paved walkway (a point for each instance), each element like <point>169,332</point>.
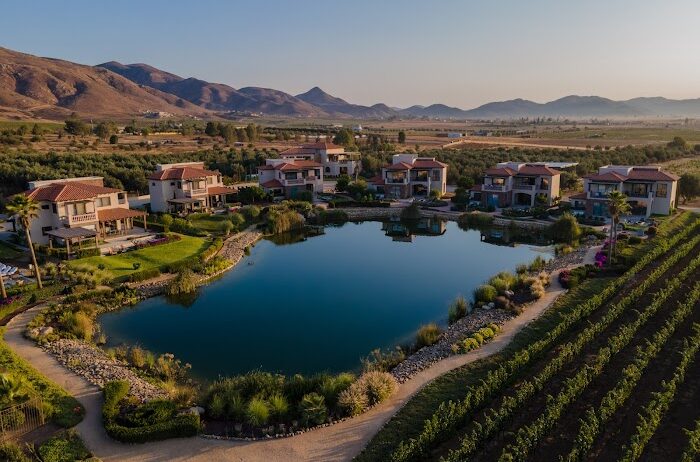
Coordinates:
<point>339,442</point>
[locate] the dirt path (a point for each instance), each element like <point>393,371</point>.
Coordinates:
<point>338,442</point>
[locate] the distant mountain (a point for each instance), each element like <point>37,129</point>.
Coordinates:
<point>339,107</point>
<point>34,87</point>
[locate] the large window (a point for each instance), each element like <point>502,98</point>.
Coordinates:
<point>601,189</point>
<point>544,184</point>
<point>661,190</point>
<point>498,181</point>
<point>104,201</point>
<point>290,176</point>
<point>435,175</point>
<point>640,190</point>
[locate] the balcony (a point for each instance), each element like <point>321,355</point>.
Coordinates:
<point>195,192</point>
<point>296,181</point>
<point>598,195</point>
<point>493,187</point>
<point>396,181</point>
<point>524,187</point>
<point>82,218</point>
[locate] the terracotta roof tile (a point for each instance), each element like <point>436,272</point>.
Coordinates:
<point>610,177</point>
<point>537,170</point>
<point>500,171</point>
<point>220,190</point>
<point>272,184</point>
<point>321,145</point>
<point>581,195</point>
<point>428,164</point>
<point>69,191</point>
<point>181,173</point>
<point>651,175</point>
<point>117,213</point>
<point>399,166</point>
<point>377,181</point>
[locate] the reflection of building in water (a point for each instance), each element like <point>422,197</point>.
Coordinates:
<point>513,236</point>
<point>403,231</point>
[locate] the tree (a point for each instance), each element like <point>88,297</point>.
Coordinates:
<point>345,137</point>
<point>166,220</point>
<point>36,130</point>
<point>228,133</point>
<point>402,137</point>
<point>26,209</point>
<point>114,139</point>
<point>342,183</point>
<point>103,130</point>
<point>465,182</point>
<point>678,142</point>
<point>211,129</point>
<point>74,126</point>
<point>689,187</point>
<point>566,229</point>
<point>251,194</point>
<point>226,227</point>
<point>617,205</point>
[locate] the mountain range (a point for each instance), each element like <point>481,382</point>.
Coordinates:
<point>36,87</point>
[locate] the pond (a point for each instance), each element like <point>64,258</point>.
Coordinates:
<point>322,303</point>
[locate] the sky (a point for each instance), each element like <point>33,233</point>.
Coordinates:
<point>399,52</point>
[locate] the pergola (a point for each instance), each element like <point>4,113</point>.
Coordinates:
<point>71,236</point>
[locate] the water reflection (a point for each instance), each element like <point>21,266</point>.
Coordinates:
<point>405,230</point>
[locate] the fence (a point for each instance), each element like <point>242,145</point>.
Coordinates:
<point>21,418</point>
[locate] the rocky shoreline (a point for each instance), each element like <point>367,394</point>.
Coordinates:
<point>96,367</point>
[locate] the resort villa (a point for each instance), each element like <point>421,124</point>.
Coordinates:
<point>186,187</point>
<point>409,176</point>
<point>79,208</point>
<point>333,158</point>
<point>516,184</point>
<point>649,190</point>
<point>287,177</point>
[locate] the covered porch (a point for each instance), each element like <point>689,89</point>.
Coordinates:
<point>220,196</point>
<point>118,221</point>
<point>72,237</point>
<point>185,205</point>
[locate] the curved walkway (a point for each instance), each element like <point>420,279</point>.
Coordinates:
<point>339,442</point>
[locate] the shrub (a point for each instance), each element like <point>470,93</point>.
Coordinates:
<point>475,219</point>
<point>458,309</point>
<point>502,302</point>
<point>427,335</point>
<point>258,412</point>
<point>378,386</point>
<point>184,283</point>
<point>217,406</point>
<point>278,406</point>
<point>137,357</point>
<point>353,400</point>
<point>521,269</point>
<point>565,229</point>
<point>313,409</point>
<point>331,387</point>
<point>383,361</point>
<point>633,240</point>
<point>237,219</point>
<point>651,231</point>
<point>12,452</point>
<point>284,221</point>
<point>226,227</point>
<point>250,212</point>
<point>499,284</point>
<point>64,448</point>
<point>150,413</point>
<point>485,293</point>
<point>144,275</point>
<point>537,264</point>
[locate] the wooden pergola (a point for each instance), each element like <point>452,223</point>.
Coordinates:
<point>71,236</point>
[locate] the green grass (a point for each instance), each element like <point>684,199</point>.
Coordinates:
<point>208,223</point>
<point>8,252</point>
<point>150,257</point>
<point>60,405</point>
<point>408,422</point>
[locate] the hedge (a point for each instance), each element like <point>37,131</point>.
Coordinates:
<point>180,426</point>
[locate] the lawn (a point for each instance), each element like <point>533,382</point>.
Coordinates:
<point>7,252</point>
<point>148,258</point>
<point>207,222</point>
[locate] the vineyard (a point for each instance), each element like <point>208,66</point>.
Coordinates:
<point>613,373</point>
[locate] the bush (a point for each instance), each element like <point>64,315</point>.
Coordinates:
<point>258,413</point>
<point>313,409</point>
<point>353,401</point>
<point>458,309</point>
<point>427,335</point>
<point>378,386</point>
<point>150,413</point>
<point>378,360</point>
<point>475,219</point>
<point>412,212</point>
<point>184,283</point>
<point>64,448</point>
<point>565,229</point>
<point>12,452</point>
<point>284,221</point>
<point>278,406</point>
<point>634,240</point>
<point>485,293</point>
<point>331,387</point>
<point>144,275</point>
<point>538,264</point>
<point>651,231</point>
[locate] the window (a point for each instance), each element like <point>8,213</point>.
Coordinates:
<point>435,175</point>
<point>498,181</point>
<point>153,183</point>
<point>179,185</point>
<point>210,180</point>
<point>317,173</point>
<point>104,201</point>
<point>661,190</point>
<point>55,209</point>
<point>45,229</point>
<point>172,183</point>
<point>639,190</point>
<point>328,170</point>
<point>290,176</point>
<point>544,183</point>
<point>44,206</point>
<point>78,208</point>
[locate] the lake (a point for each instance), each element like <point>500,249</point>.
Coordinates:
<point>322,303</point>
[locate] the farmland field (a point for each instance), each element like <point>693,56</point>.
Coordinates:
<point>609,373</point>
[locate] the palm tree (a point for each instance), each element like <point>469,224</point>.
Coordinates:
<point>26,210</point>
<point>617,205</point>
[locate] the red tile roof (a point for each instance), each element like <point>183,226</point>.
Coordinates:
<point>212,190</point>
<point>266,167</point>
<point>651,175</point>
<point>296,165</point>
<point>537,170</point>
<point>69,191</point>
<point>181,173</point>
<point>297,151</point>
<point>272,184</point>
<point>610,177</point>
<point>399,166</point>
<point>377,181</point>
<point>500,171</point>
<point>420,163</point>
<point>117,213</point>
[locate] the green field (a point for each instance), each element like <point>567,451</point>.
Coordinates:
<point>150,257</point>
<point>208,223</point>
<point>632,134</point>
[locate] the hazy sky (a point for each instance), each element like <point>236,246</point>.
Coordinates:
<point>402,52</point>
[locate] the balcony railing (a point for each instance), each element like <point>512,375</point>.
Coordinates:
<point>494,187</point>
<point>525,187</point>
<point>294,181</point>
<point>396,180</point>
<point>82,218</point>
<point>598,195</point>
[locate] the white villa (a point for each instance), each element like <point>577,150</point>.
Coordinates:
<point>186,187</point>
<point>409,176</point>
<point>333,158</point>
<point>79,208</point>
<point>287,177</point>
<point>649,190</point>
<point>519,184</point>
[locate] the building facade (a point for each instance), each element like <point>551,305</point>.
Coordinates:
<point>649,190</point>
<point>411,176</point>
<point>515,184</point>
<point>79,204</point>
<point>186,187</point>
<point>333,158</point>
<point>287,177</point>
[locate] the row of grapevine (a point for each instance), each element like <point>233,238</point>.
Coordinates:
<point>494,419</point>
<point>592,423</point>
<point>692,451</point>
<point>450,415</point>
<point>653,412</point>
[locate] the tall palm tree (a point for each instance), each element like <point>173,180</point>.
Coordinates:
<point>617,205</point>
<point>26,210</point>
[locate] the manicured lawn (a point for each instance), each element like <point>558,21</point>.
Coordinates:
<point>150,257</point>
<point>207,222</point>
<point>7,252</point>
<point>64,410</point>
